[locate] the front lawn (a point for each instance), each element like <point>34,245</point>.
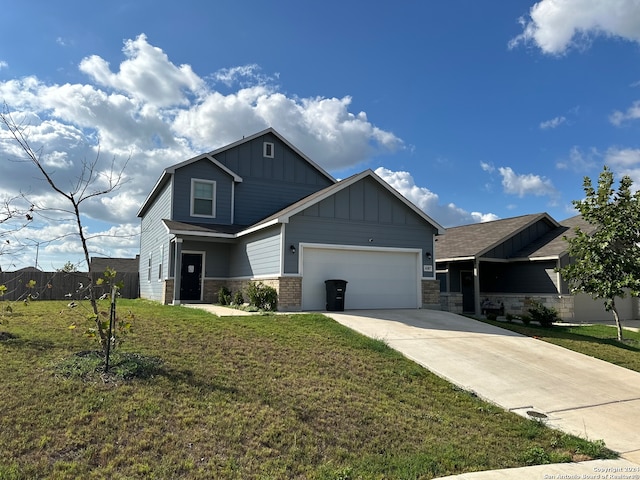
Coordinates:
<point>275,396</point>
<point>597,341</point>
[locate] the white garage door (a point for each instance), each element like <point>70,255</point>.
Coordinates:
<point>377,278</point>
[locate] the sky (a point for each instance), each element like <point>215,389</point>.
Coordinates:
<point>474,110</point>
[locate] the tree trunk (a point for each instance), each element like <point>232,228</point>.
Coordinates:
<point>617,319</point>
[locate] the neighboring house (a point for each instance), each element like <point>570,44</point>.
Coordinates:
<point>510,262</point>
<point>126,269</point>
<point>261,210</point>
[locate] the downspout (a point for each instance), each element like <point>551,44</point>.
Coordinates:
<point>476,286</point>
<point>177,271</point>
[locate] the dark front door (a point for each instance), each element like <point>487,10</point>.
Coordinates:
<point>191,277</point>
<point>468,291</point>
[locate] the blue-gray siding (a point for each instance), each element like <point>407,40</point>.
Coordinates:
<point>206,170</point>
<point>154,244</point>
<point>520,240</point>
<point>364,214</point>
<point>269,184</point>
<point>256,254</point>
<point>216,256</point>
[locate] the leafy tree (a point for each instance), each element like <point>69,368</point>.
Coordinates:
<point>68,267</point>
<point>606,261</point>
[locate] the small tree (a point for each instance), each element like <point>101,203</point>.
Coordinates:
<point>90,184</point>
<point>606,262</point>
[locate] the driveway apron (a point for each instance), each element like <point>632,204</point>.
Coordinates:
<point>578,394</point>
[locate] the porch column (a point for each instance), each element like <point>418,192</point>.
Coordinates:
<point>177,271</point>
<point>476,286</point>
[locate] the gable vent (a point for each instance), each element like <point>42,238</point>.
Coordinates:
<point>267,150</point>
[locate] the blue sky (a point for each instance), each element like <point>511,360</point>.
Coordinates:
<point>473,110</point>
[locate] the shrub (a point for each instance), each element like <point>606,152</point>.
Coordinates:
<point>526,319</point>
<point>224,296</point>
<point>238,299</point>
<point>542,314</point>
<point>510,317</point>
<point>262,296</point>
<point>492,316</point>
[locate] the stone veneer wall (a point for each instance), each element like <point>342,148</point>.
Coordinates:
<point>451,302</point>
<point>431,294</point>
<point>519,304</point>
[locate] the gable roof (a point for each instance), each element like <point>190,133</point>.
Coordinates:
<point>286,213</point>
<point>473,241</point>
<point>553,244</point>
<point>169,171</point>
<point>272,131</point>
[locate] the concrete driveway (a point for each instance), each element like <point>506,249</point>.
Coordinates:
<point>577,394</point>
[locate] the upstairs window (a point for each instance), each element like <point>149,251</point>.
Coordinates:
<point>203,198</point>
<point>267,150</point>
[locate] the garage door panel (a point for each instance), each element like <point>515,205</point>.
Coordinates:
<point>376,278</point>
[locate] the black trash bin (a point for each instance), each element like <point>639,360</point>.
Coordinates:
<point>335,294</point>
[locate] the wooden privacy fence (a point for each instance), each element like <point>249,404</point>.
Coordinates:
<point>62,285</point>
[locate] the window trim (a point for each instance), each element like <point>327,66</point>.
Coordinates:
<point>193,197</point>
<point>268,150</point>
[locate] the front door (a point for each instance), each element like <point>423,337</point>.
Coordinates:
<point>468,291</point>
<point>191,277</point>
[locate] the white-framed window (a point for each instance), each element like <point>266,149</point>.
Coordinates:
<point>149,267</point>
<point>161,261</point>
<point>203,198</point>
<point>267,150</point>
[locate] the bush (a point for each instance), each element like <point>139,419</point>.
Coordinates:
<point>492,316</point>
<point>509,317</point>
<point>262,296</point>
<point>545,316</point>
<point>238,299</point>
<point>526,319</point>
<point>224,296</point>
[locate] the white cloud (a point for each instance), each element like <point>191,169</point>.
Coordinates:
<point>446,215</point>
<point>625,161</point>
<point>632,113</point>
<point>487,167</point>
<point>526,184</point>
<point>3,64</point>
<point>579,161</point>
<point>553,123</point>
<point>556,26</point>
<point>153,113</point>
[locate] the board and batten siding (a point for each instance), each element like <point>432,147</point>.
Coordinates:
<point>256,254</point>
<point>522,239</point>
<point>363,214</point>
<point>204,170</point>
<point>519,277</point>
<point>269,184</point>
<point>155,245</point>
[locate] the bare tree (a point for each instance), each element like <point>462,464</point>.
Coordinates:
<point>85,187</point>
<point>14,216</point>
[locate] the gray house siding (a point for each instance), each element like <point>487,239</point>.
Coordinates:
<point>257,254</point>
<point>519,277</point>
<point>519,241</point>
<point>216,256</point>
<point>155,246</point>
<point>205,170</point>
<point>364,214</point>
<point>269,184</point>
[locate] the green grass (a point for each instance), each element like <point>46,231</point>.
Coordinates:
<point>265,397</point>
<point>599,341</point>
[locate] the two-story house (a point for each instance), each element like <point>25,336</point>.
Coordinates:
<point>261,210</point>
